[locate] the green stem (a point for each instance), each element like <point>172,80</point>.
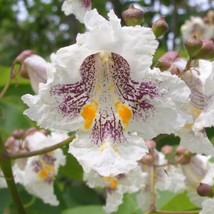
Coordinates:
<point>41,151</point>
<point>6,167</point>
<point>4,90</point>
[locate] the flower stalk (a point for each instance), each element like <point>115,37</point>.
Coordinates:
<point>5,164</point>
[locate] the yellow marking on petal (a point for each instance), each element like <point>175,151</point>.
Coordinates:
<point>106,145</point>
<point>45,172</point>
<point>88,112</point>
<point>195,111</point>
<point>188,126</point>
<point>106,57</point>
<point>112,182</point>
<point>124,112</point>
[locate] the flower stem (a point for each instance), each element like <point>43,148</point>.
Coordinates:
<point>4,90</point>
<point>5,164</point>
<point>152,188</point>
<point>188,66</point>
<point>41,151</point>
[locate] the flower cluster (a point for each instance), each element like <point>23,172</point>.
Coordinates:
<point>36,173</point>
<point>105,89</point>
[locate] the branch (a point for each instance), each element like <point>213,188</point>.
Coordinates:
<point>41,151</point>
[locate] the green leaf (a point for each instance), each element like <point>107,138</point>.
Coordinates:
<point>128,206</point>
<point>93,209</point>
<point>179,202</point>
<point>5,199</point>
<point>12,115</point>
<point>72,169</point>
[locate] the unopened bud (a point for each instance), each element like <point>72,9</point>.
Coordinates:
<point>23,55</point>
<point>167,150</point>
<point>182,159</point>
<point>204,190</point>
<point>183,155</point>
<point>31,131</point>
<point>180,150</point>
<point>160,27</point>
<point>35,67</point>
<point>148,159</point>
<point>12,145</point>
<point>133,16</point>
<point>206,51</point>
<point>19,134</point>
<point>193,46</point>
<point>166,60</point>
<point>151,144</point>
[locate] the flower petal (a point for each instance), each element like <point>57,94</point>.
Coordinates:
<point>108,159</point>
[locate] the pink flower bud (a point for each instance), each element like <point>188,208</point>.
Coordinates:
<point>167,150</point>
<point>35,66</point>
<point>19,134</point>
<point>206,51</point>
<point>151,144</point>
<point>165,61</point>
<point>23,55</point>
<point>204,190</point>
<point>148,159</point>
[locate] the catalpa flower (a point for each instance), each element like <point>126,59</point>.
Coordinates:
<point>103,87</point>
<point>198,28</point>
<point>37,173</point>
<point>201,83</point>
<point>76,7</point>
<point>117,186</point>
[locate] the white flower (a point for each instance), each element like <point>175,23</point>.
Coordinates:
<point>76,7</point>
<point>117,186</point>
<point>198,170</point>
<point>103,86</point>
<point>198,28</point>
<point>37,173</point>
<point>201,84</point>
<point>207,206</point>
<point>166,178</point>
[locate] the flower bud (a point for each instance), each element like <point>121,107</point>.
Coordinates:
<point>23,55</point>
<point>133,16</point>
<point>19,134</point>
<point>206,51</point>
<point>183,155</point>
<point>193,46</point>
<point>195,170</point>
<point>166,60</point>
<point>204,190</point>
<point>167,150</point>
<point>148,159</point>
<point>12,145</point>
<point>35,67</point>
<point>160,27</point>
<point>31,131</point>
<point>151,144</point>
